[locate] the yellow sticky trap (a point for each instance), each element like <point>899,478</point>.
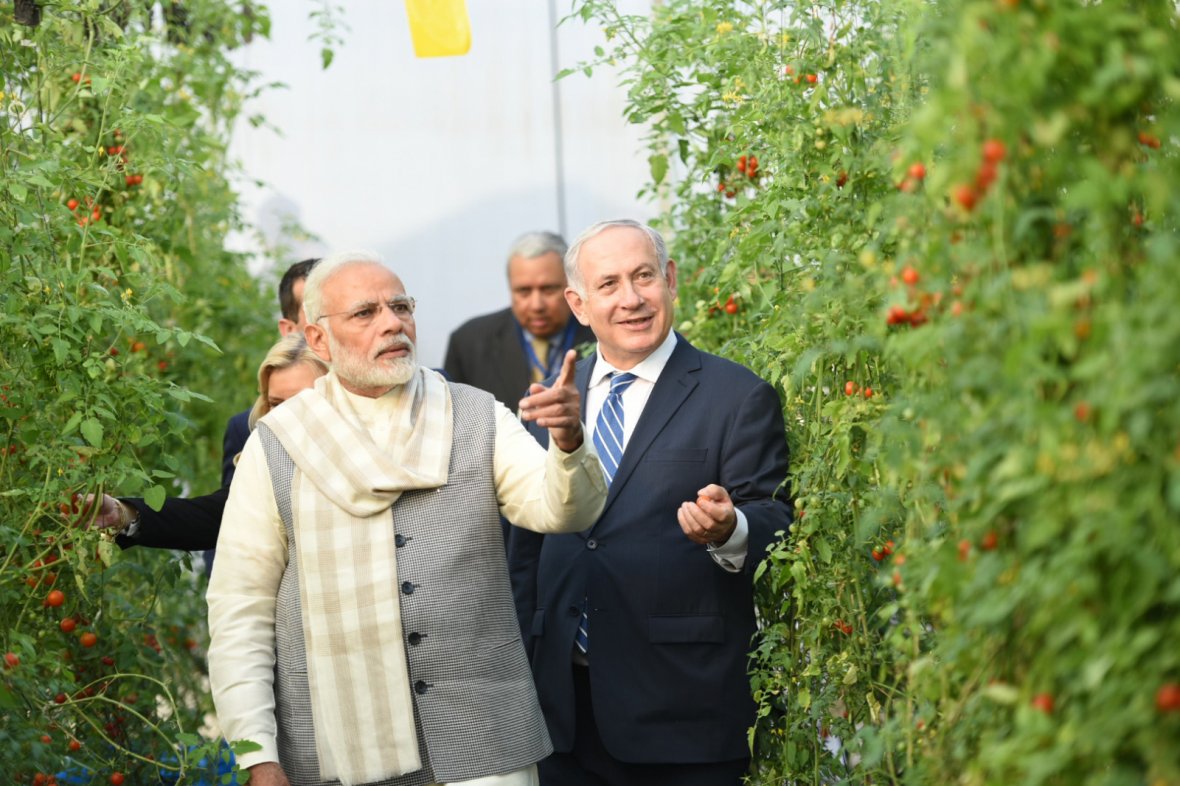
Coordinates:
<point>439,28</point>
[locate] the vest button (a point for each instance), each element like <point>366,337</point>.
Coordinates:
<point>420,687</point>
<point>399,540</point>
<point>407,588</point>
<point>592,544</point>
<point>415,639</point>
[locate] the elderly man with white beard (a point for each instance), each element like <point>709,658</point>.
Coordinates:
<point>363,630</point>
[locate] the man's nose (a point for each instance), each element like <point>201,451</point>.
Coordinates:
<point>630,295</point>
<point>536,300</point>
<point>389,321</point>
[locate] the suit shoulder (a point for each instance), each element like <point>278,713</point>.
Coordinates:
<point>729,372</point>
<point>480,325</point>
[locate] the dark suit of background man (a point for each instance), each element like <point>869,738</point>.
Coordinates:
<point>661,585</point>
<point>505,351</point>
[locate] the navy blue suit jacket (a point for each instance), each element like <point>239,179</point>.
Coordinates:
<point>669,629</point>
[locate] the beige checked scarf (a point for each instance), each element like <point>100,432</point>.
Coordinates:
<point>342,490</point>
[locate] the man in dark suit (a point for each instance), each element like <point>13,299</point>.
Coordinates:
<point>640,627</point>
<point>504,351</point>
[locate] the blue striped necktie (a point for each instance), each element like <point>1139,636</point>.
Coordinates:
<point>608,429</point>
<point>608,441</point>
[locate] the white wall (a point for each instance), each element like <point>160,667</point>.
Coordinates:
<point>436,163</point>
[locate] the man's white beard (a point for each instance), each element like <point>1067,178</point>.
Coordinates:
<point>369,373</point>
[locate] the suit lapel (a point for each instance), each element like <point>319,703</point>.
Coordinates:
<point>676,383</point>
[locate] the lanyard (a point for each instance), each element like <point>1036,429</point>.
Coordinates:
<point>557,350</point>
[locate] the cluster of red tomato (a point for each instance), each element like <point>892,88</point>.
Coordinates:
<point>748,167</point>
<point>811,79</point>
<point>920,302</point>
<point>91,212</point>
<point>967,195</point>
<point>119,149</point>
<point>729,307</point>
<point>850,389</point>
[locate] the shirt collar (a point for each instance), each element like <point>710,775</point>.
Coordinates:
<point>648,369</point>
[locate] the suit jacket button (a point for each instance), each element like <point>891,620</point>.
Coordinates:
<point>574,611</point>
<point>415,639</point>
<point>407,588</point>
<point>592,544</point>
<point>420,687</point>
<point>399,540</point>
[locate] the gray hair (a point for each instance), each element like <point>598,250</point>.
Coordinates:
<point>328,266</point>
<point>531,245</point>
<point>574,276</point>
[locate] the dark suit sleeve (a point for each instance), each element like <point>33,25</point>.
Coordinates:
<point>237,431</point>
<point>186,524</point>
<point>754,469</point>
<point>453,363</point>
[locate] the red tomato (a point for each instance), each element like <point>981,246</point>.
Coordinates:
<point>985,176</point>
<point>1167,698</point>
<point>989,541</point>
<point>994,151</point>
<point>67,625</point>
<point>812,79</point>
<point>909,275</point>
<point>849,388</point>
<point>965,196</point>
<point>1043,702</point>
<point>72,204</point>
<point>55,598</point>
<point>75,745</point>
<point>11,660</point>
<point>841,179</point>
<point>918,171</point>
<point>731,307</point>
<point>116,779</point>
<point>88,639</point>
<point>868,392</point>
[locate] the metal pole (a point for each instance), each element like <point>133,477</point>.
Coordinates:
<point>558,148</point>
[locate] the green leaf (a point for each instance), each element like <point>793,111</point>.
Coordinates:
<point>155,497</point>
<point>92,431</point>
<point>659,167</point>
<point>18,191</point>
<point>71,424</point>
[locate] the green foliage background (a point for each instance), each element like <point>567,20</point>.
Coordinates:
<point>128,336</point>
<point>983,583</point>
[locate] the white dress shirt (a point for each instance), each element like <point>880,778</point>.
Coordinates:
<point>730,555</point>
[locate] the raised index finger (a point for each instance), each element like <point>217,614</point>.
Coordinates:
<point>566,376</point>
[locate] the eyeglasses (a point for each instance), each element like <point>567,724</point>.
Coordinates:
<point>401,306</point>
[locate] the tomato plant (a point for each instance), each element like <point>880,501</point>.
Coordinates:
<point>974,207</point>
<point>128,336</point>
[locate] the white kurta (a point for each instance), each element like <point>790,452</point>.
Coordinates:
<point>545,491</point>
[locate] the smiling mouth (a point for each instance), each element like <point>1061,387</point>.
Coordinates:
<point>637,322</point>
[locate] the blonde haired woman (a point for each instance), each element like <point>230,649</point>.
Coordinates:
<point>192,524</point>
<point>289,368</point>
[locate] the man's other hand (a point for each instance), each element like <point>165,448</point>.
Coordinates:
<point>711,519</point>
<point>268,774</point>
